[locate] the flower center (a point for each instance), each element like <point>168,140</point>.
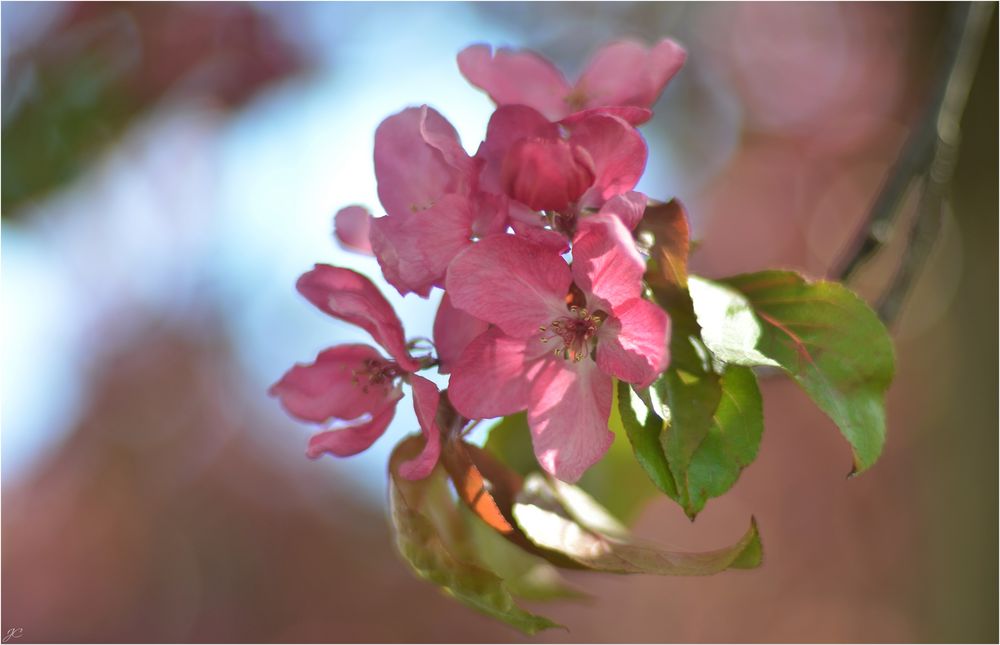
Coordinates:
<point>576,99</point>
<point>576,331</point>
<point>374,373</point>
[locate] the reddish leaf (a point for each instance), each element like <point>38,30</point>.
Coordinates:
<point>667,225</point>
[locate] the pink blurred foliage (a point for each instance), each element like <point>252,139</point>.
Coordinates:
<point>825,92</point>
<point>222,50</point>
<point>177,522</point>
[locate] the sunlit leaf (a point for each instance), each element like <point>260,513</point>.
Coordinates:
<point>543,515</point>
<point>431,537</point>
<point>488,489</point>
<point>830,342</point>
<point>474,490</point>
<point>525,576</point>
<point>586,511</point>
<point>729,326</point>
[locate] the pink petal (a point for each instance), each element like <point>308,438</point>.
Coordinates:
<point>516,77</point>
<point>633,345</point>
<point>489,214</point>
<point>441,135</point>
<point>351,226</point>
<point>508,125</point>
<point>568,415</point>
<point>628,207</point>
<point>630,113</point>
<point>546,174</point>
<point>493,376</point>
<point>329,387</point>
<point>438,234</point>
<point>618,151</point>
<point>454,329</point>
<point>414,249</point>
<point>425,403</point>
<point>418,158</point>
<point>401,265</point>
<point>628,73</point>
<point>510,282</point>
<point>606,263</point>
<point>531,224</point>
<point>351,440</point>
<point>352,297</point>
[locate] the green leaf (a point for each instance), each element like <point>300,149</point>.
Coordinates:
<point>829,341</point>
<point>732,440</point>
<point>732,423</point>
<point>688,393</point>
<point>643,427</point>
<point>700,423</point>
<point>692,397</point>
<point>617,481</point>
<point>510,440</point>
<point>431,536</point>
<point>547,513</point>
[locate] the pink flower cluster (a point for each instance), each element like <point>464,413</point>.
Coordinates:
<point>531,241</point>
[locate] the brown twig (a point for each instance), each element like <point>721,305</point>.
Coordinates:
<point>928,160</point>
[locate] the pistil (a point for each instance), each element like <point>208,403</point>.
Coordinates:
<point>375,373</point>
<point>576,331</point>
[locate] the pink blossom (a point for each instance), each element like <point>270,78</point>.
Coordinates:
<point>438,200</point>
<point>527,158</point>
<point>349,383</point>
<point>418,158</point>
<point>624,78</point>
<point>354,384</point>
<point>427,184</point>
<point>561,334</point>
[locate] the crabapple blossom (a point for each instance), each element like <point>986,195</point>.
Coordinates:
<point>562,332</point>
<point>526,158</point>
<point>517,327</point>
<point>355,383</point>
<point>427,184</point>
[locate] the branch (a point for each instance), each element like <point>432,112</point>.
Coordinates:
<point>928,158</point>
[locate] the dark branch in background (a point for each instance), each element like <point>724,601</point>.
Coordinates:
<point>928,160</point>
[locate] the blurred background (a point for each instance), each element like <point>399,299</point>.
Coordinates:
<point>170,169</point>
